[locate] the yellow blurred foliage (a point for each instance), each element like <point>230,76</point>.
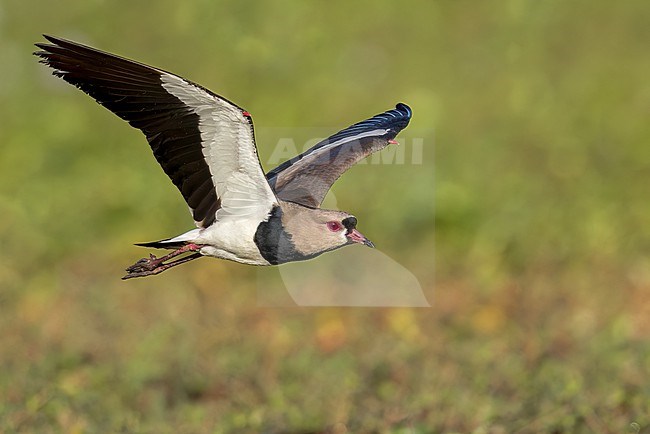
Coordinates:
<point>331,332</point>
<point>489,319</point>
<point>403,322</point>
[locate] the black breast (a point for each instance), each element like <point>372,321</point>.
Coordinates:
<point>274,243</point>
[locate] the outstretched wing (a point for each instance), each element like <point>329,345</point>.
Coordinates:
<point>203,142</point>
<point>307,178</point>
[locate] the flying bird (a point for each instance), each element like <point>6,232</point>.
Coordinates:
<point>206,145</point>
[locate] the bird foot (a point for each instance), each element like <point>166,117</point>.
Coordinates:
<point>152,265</point>
<point>145,267</point>
<point>144,264</point>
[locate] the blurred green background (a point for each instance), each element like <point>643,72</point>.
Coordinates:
<point>534,120</point>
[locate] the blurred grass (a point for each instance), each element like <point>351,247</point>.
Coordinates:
<point>538,112</point>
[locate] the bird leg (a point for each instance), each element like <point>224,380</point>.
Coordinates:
<point>152,265</point>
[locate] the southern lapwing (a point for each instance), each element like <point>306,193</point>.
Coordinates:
<point>206,145</point>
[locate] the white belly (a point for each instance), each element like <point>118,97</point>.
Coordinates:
<point>232,240</point>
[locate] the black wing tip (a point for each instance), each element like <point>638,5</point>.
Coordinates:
<point>51,41</point>
<point>398,118</point>
<point>57,41</point>
<point>404,109</point>
<point>47,49</point>
<point>43,47</point>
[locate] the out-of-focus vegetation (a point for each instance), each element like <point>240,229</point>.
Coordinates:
<point>540,315</point>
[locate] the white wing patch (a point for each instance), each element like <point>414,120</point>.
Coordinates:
<point>229,150</point>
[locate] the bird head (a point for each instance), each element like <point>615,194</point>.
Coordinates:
<point>314,231</point>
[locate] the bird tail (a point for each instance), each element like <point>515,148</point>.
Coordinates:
<point>163,244</point>
<point>173,243</point>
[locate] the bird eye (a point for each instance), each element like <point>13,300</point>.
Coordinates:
<point>334,226</point>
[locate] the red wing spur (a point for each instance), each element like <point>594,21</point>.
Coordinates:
<point>206,145</point>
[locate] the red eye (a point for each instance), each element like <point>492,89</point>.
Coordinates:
<point>334,226</point>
